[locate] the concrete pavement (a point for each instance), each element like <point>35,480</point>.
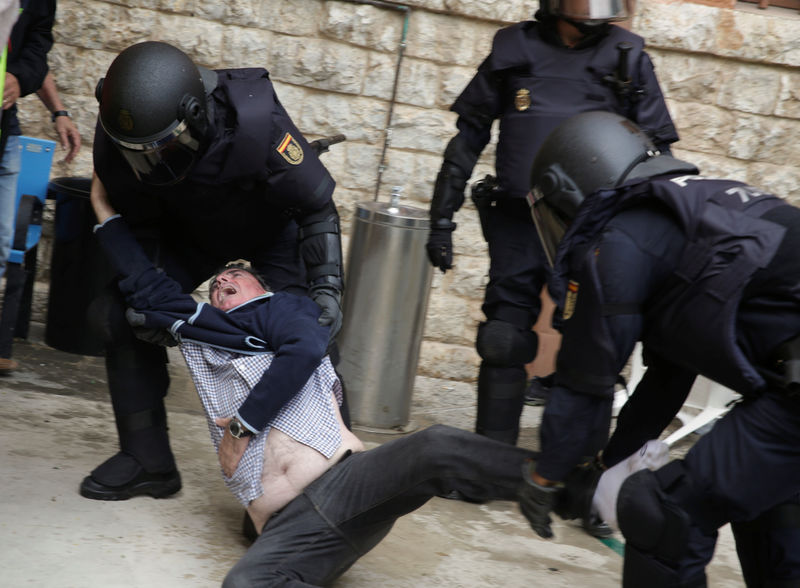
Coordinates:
<point>58,425</point>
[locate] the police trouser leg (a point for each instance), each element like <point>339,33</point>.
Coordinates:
<point>750,461</point>
<point>138,382</point>
<point>663,546</point>
<point>769,547</point>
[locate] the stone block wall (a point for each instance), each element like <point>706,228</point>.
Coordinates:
<point>729,72</point>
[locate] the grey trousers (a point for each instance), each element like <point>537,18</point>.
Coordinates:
<point>348,510</point>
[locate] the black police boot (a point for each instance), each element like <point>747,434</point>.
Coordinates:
<point>536,502</point>
<point>122,477</point>
<point>596,527</point>
<point>538,390</point>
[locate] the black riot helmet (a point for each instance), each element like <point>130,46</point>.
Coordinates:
<point>588,152</point>
<point>153,107</point>
<point>589,12</point>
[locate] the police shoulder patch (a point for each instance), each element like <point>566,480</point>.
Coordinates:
<point>291,150</point>
<point>571,299</point>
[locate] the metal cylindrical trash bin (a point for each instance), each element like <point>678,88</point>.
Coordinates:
<point>385,301</point>
<point>78,269</point>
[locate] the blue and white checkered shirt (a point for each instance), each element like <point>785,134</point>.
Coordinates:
<point>224,379</point>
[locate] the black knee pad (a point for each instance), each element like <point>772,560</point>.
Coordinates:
<point>650,520</point>
<point>502,344</point>
<point>641,569</point>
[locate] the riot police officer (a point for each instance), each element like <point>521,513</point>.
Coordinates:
<point>206,167</point>
<point>705,273</point>
<point>570,59</point>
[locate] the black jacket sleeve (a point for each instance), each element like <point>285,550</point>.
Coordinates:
<point>300,343</point>
<point>30,41</point>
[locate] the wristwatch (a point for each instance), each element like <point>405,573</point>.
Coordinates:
<point>58,113</point>
<point>238,430</point>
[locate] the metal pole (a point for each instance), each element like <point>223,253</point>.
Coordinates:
<point>387,132</point>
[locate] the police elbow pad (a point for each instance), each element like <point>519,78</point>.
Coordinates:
<point>321,249</point>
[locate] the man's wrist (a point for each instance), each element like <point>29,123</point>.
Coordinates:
<point>101,223</point>
<point>57,113</point>
<point>239,429</point>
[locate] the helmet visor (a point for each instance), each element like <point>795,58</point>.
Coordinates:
<point>591,11</point>
<point>162,162</point>
<point>550,224</point>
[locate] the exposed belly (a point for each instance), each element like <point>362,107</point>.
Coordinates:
<point>290,466</point>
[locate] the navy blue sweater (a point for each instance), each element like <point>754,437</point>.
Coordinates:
<point>283,323</point>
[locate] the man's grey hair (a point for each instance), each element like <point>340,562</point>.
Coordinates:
<point>242,266</point>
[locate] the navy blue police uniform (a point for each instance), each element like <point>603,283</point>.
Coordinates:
<point>257,184</point>
<point>705,273</point>
<point>531,82</point>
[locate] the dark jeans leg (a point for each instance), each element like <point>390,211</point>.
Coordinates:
<point>347,511</point>
<point>298,547</point>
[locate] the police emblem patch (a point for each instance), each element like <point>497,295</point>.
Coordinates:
<point>572,298</point>
<point>125,120</point>
<point>290,149</point>
<point>522,101</point>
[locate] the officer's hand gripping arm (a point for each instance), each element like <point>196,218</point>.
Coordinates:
<point>321,249</point>
<point>153,336</point>
<point>448,196</point>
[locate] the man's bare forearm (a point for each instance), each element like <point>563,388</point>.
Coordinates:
<point>99,199</point>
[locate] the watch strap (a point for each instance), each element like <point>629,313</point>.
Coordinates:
<point>238,430</point>
<point>58,113</point>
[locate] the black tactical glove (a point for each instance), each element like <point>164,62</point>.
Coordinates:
<point>330,301</point>
<point>155,336</point>
<point>537,501</point>
<point>440,244</point>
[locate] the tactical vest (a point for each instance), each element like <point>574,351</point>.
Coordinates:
<point>243,149</point>
<point>543,85</point>
<point>691,320</point>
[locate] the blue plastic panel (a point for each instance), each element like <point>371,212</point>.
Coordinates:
<point>36,159</point>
